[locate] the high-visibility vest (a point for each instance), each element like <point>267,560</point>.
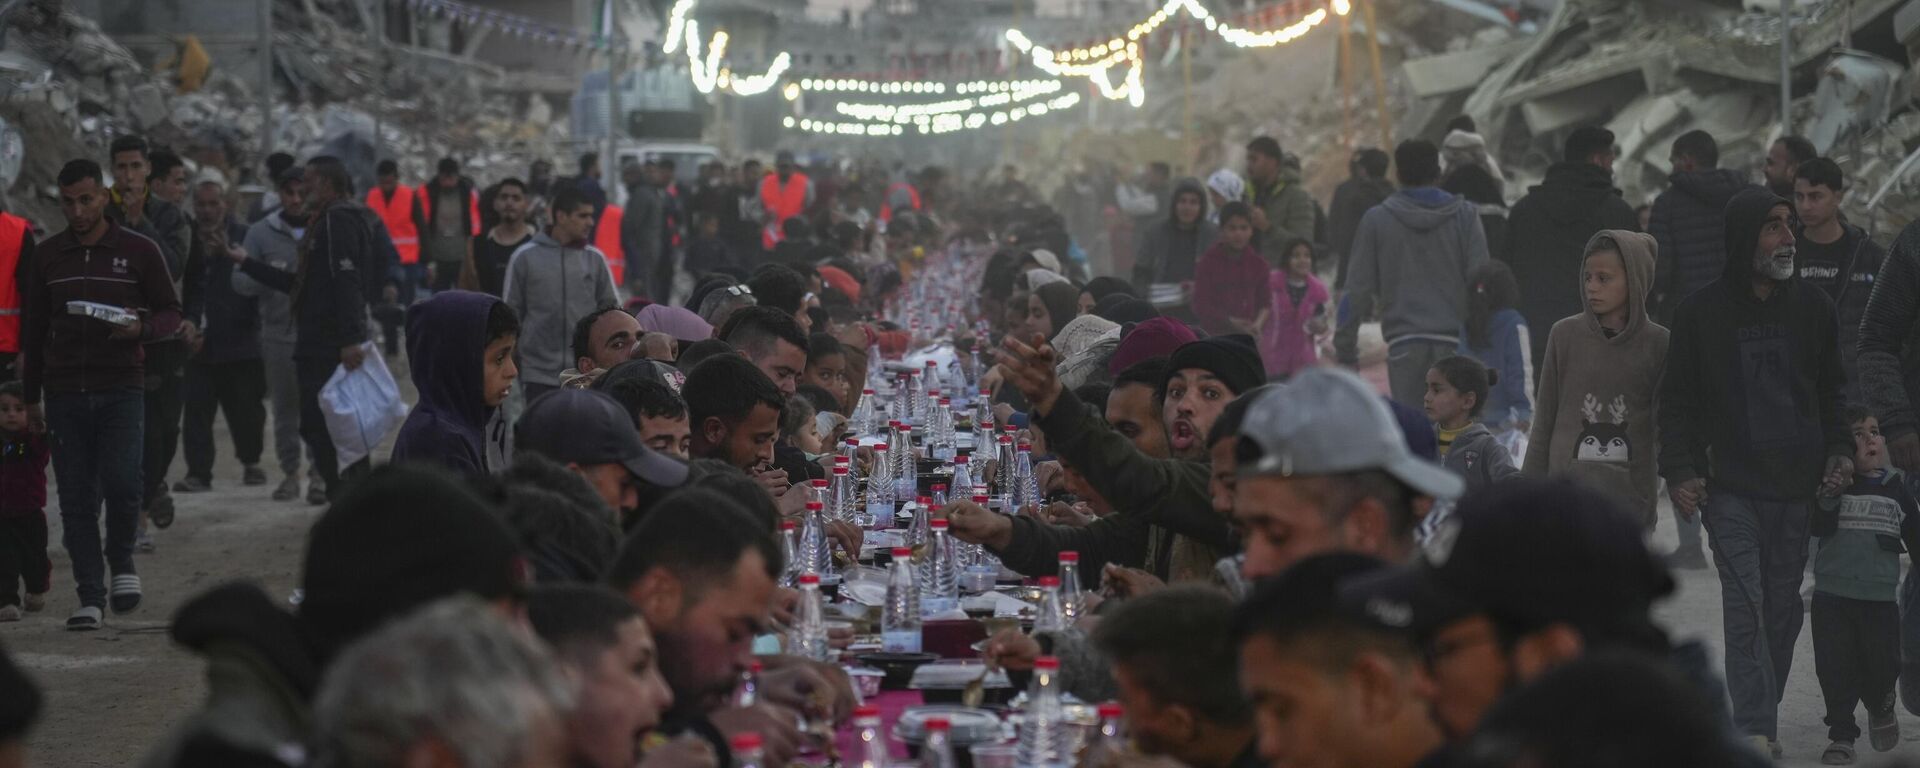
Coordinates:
<point>606,237</point>
<point>781,202</point>
<point>13,229</point>
<point>396,212</point>
<point>886,201</point>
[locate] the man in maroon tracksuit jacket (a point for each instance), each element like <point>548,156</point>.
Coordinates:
<point>91,373</point>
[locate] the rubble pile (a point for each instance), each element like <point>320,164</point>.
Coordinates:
<point>67,89</point>
<point>1652,70</point>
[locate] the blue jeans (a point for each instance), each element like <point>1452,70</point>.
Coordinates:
<point>1760,548</point>
<point>97,442</point>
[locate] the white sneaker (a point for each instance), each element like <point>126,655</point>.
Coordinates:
<point>9,613</point>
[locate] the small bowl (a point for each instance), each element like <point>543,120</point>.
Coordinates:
<point>898,667</point>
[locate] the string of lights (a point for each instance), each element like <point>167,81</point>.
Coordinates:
<point>518,26</point>
<point>934,124</point>
<point>1095,63</point>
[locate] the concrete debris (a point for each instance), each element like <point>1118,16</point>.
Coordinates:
<point>1652,70</point>
<point>67,89</point>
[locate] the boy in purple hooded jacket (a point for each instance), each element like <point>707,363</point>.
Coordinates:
<point>460,346</point>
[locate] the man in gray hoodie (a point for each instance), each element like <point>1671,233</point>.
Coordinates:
<point>1411,258</point>
<point>275,239</point>
<point>552,282</point>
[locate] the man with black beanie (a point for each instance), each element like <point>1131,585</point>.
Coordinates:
<point>1172,493</point>
<point>399,538</point>
<point>1750,430</point>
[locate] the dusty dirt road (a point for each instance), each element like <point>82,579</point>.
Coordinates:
<point>112,694</point>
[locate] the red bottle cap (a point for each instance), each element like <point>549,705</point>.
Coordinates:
<point>815,506</point>
<point>745,742</point>
<point>924,500</point>
<point>939,486</point>
<point>1047,662</point>
<point>880,446</point>
<point>900,552</point>
<point>1069,557</point>
<point>840,470</point>
<point>869,710</point>
<point>980,498</point>
<point>810,578</point>
<point>786,525</point>
<point>1050,581</point>
<point>940,523</point>
<point>1110,710</point>
<point>933,724</point>
<point>960,459</point>
<point>820,483</point>
<point>1026,446</point>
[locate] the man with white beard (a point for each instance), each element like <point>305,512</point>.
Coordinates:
<point>1751,432</point>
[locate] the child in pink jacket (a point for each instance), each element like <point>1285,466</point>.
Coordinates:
<point>1296,315</point>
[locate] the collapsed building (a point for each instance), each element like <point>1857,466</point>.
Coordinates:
<point>68,88</point>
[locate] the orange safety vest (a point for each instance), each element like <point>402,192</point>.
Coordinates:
<point>886,201</point>
<point>606,237</point>
<point>397,213</point>
<point>13,229</point>
<point>781,202</point>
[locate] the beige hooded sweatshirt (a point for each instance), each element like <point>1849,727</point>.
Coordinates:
<point>1594,420</point>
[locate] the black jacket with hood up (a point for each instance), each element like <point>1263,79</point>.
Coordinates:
<point>446,344</point>
<point>1750,398</point>
<point>1547,234</point>
<point>1168,251</point>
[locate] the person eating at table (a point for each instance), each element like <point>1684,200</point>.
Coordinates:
<point>701,569</point>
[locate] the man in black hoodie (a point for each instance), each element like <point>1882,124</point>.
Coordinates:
<point>338,269</point>
<point>1167,250</point>
<point>1685,220</point>
<point>1548,230</point>
<point>1750,430</point>
<point>1367,187</point>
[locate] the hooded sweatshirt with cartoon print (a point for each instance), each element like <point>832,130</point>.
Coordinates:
<point>1594,419</point>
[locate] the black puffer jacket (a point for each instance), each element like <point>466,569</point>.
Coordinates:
<point>1890,338</point>
<point>1548,231</point>
<point>1686,222</point>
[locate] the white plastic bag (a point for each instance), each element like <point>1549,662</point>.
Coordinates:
<point>361,406</point>
<point>1515,441</point>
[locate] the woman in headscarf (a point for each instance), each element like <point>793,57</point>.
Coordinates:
<point>1050,307</point>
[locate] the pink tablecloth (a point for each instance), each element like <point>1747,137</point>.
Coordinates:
<point>891,704</point>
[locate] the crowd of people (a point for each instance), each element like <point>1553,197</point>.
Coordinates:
<point>619,401</point>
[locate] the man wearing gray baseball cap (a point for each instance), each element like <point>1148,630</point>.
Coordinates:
<point>1322,466</point>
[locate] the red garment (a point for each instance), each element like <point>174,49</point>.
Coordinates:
<point>886,201</point>
<point>1228,285</point>
<point>13,231</point>
<point>401,214</point>
<point>606,237</point>
<point>782,202</point>
<point>66,352</point>
<point>838,279</point>
<point>23,474</point>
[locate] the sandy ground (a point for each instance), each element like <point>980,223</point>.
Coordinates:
<point>114,693</point>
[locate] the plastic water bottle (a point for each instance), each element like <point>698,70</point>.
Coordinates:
<point>962,486</point>
<point>943,447</point>
<point>1040,728</point>
<point>876,366</point>
<point>900,619</point>
<point>983,441</point>
<point>1048,616</point>
<point>880,489</point>
<point>902,399</point>
<point>906,470</point>
<point>1109,738</point>
<point>863,413</point>
<point>788,550</point>
<point>817,490</point>
<point>920,530</point>
<point>941,590</point>
<point>980,568</point>
<point>747,693</point>
<point>1071,601</point>
<point>747,752</point>
<point>873,741</point>
<point>815,555</point>
<point>1026,488</point>
<point>937,750</point>
<point>850,451</point>
<point>930,378</point>
<point>809,635</point>
<point>840,493</point>
<point>916,398</point>
<point>1003,473</point>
